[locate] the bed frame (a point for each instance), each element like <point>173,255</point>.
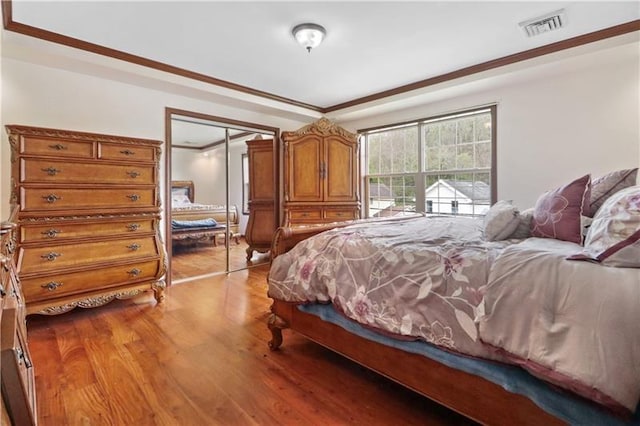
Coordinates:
<point>467,394</point>
<point>204,233</point>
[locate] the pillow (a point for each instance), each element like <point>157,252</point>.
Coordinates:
<point>613,238</point>
<point>607,185</point>
<point>557,212</point>
<point>500,221</point>
<point>180,199</point>
<point>523,230</point>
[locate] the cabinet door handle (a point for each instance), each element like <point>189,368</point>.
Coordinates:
<point>51,198</point>
<point>51,256</point>
<point>58,147</point>
<point>51,233</point>
<point>52,171</point>
<point>134,246</point>
<point>134,272</point>
<point>134,174</point>
<point>133,197</point>
<point>127,152</point>
<point>133,227</point>
<point>52,285</point>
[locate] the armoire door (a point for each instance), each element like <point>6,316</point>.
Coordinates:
<point>304,173</point>
<point>340,163</point>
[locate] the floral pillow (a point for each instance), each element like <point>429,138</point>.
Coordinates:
<point>613,238</point>
<point>557,212</point>
<point>607,185</point>
<point>500,221</point>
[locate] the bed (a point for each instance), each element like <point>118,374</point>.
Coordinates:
<point>193,222</point>
<point>525,327</point>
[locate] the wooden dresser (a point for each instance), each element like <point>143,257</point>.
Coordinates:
<point>321,175</point>
<point>18,380</point>
<point>262,196</point>
<point>88,217</point>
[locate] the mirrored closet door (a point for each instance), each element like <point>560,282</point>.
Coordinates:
<point>207,197</point>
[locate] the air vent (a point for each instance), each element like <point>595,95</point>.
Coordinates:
<point>544,24</point>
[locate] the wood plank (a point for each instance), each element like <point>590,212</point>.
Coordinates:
<point>202,358</point>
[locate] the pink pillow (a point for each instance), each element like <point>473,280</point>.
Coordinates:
<point>614,236</point>
<point>607,185</point>
<point>557,212</point>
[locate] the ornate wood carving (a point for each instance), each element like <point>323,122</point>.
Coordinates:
<point>325,127</point>
<point>276,325</point>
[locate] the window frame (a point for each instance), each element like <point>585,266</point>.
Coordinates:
<point>420,175</point>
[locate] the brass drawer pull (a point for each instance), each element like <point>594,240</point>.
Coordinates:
<point>51,285</point>
<point>134,272</point>
<point>58,147</point>
<point>134,246</point>
<point>134,174</point>
<point>127,152</point>
<point>51,233</point>
<point>133,197</point>
<point>51,256</point>
<point>133,227</point>
<point>51,171</point>
<point>304,214</point>
<point>51,198</point>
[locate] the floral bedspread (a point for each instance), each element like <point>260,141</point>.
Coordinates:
<point>419,277</point>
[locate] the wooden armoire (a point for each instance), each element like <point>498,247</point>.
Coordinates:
<point>321,174</point>
<point>88,213</point>
<point>262,194</point>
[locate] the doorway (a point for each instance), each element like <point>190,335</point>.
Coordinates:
<point>206,183</point>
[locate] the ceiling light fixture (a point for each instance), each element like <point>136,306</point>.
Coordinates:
<point>309,35</point>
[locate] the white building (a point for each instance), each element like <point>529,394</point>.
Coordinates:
<point>458,197</point>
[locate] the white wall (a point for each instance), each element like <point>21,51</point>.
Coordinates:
<point>582,116</point>
<point>47,97</point>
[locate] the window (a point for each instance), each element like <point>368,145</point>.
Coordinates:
<point>439,165</point>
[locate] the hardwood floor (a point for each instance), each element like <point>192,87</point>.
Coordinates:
<point>201,258</point>
<point>201,358</point>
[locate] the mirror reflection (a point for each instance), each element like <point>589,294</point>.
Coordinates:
<point>209,181</point>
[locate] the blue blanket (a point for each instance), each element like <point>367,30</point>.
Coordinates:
<point>201,223</point>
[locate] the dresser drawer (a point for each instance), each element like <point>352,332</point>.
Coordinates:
<point>33,145</point>
<point>60,172</point>
<point>43,288</point>
<point>306,214</point>
<point>51,258</point>
<point>60,231</point>
<point>136,153</point>
<point>338,214</point>
<point>59,199</point>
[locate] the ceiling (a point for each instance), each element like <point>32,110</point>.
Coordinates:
<point>371,47</point>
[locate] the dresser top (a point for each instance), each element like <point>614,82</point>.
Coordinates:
<point>13,129</point>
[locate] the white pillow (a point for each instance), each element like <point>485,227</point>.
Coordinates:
<point>523,230</point>
<point>180,200</point>
<point>501,221</point>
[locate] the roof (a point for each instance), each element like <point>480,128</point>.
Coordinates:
<point>380,190</point>
<point>478,191</point>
